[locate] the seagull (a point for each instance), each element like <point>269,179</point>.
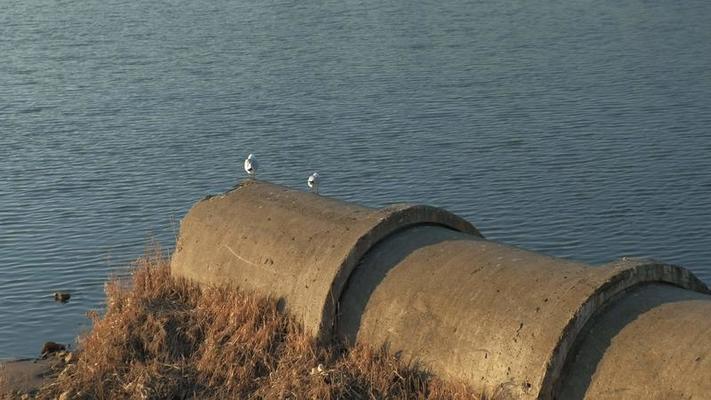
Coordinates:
<point>250,165</point>
<point>312,182</point>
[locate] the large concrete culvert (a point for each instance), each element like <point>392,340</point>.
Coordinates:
<point>503,319</point>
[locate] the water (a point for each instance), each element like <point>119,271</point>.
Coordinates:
<point>580,129</point>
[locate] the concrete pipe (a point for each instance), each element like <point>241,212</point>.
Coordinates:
<point>293,245</point>
<point>424,281</point>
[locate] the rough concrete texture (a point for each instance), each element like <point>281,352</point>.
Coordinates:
<point>293,245</point>
<point>423,281</point>
<point>500,317</point>
<point>653,343</point>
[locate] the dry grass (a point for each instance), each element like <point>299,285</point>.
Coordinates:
<point>165,338</point>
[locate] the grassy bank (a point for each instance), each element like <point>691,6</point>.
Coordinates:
<point>165,338</point>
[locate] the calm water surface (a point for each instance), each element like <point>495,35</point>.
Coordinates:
<point>581,129</point>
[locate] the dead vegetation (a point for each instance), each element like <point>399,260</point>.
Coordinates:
<point>165,338</point>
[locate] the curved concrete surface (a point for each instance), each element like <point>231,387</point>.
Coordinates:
<point>292,245</point>
<point>505,320</point>
<point>480,311</point>
<point>654,343</point>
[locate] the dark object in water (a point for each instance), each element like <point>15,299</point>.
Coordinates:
<point>62,297</point>
<point>51,348</point>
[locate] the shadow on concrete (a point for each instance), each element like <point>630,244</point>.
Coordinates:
<point>600,331</point>
<point>380,259</point>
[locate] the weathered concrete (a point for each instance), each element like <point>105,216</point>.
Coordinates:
<point>293,245</point>
<point>654,343</point>
<point>503,319</point>
<point>480,311</point>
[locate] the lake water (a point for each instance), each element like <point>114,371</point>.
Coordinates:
<point>581,129</point>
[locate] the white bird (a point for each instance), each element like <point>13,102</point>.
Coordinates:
<point>250,165</point>
<point>313,181</point>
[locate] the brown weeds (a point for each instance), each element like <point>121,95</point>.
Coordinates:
<point>166,338</point>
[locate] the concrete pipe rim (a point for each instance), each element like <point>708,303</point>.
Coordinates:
<point>627,274</point>
<point>394,219</point>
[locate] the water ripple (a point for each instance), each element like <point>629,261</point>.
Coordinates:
<point>543,129</point>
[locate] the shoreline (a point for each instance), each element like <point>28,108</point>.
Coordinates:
<point>165,337</point>
<point>26,376</point>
